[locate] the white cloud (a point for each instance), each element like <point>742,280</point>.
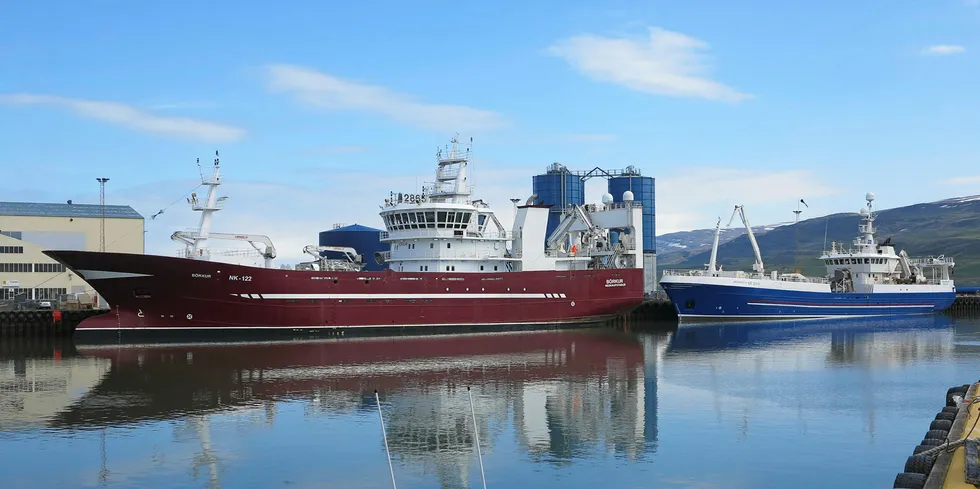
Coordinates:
<point>329,92</point>
<point>965,180</point>
<point>943,50</point>
<point>666,63</point>
<point>696,198</point>
<point>133,118</point>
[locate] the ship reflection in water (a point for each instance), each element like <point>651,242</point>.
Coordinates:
<point>553,409</point>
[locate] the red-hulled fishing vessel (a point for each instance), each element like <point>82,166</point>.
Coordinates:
<point>451,264</point>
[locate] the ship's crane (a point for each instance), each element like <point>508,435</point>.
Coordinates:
<point>713,262</point>
<point>740,210</point>
<point>353,260</point>
<point>269,253</point>
<point>315,251</point>
<point>910,271</point>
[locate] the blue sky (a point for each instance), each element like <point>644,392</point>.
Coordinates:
<point>319,109</point>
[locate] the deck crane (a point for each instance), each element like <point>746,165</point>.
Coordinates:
<point>269,253</point>
<point>352,261</point>
<point>757,266</point>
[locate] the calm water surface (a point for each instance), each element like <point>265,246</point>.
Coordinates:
<point>822,404</point>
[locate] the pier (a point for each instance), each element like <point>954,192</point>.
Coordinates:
<point>966,303</point>
<point>947,457</point>
<point>41,323</point>
<point>656,307</point>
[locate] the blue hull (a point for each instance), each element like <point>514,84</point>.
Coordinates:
<point>723,302</point>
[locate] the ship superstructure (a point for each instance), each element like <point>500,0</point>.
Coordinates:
<point>867,278</point>
<point>451,263</point>
<point>442,230</point>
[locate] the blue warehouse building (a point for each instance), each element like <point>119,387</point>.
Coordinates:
<point>366,240</point>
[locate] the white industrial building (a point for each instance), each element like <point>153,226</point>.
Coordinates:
<point>26,229</point>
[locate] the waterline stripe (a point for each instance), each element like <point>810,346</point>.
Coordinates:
<point>835,306</point>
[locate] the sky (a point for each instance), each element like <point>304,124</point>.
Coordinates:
<point>320,109</point>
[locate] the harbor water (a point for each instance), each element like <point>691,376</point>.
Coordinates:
<point>814,404</point>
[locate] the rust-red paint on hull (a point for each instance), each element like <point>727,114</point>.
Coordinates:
<point>149,293</point>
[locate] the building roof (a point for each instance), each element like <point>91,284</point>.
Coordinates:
<point>42,209</point>
<point>354,227</point>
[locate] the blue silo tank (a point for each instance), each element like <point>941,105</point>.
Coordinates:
<point>366,240</point>
<point>644,192</point>
<point>558,187</point>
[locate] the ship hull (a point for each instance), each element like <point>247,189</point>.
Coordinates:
<point>153,296</point>
<point>723,299</point>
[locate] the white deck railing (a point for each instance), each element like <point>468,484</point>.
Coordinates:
<point>443,255</point>
<point>940,261</point>
<point>445,233</point>
<point>786,277</point>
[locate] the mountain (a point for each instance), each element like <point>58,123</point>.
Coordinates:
<point>948,227</point>
<point>674,248</point>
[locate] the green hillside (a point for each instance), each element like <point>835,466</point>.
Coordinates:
<point>950,227</point>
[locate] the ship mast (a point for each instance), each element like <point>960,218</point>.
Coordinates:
<point>452,170</point>
<point>209,207</point>
<point>866,241</point>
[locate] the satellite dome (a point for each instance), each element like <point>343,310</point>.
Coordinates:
<point>627,196</point>
<point>864,211</point>
<point>870,196</point>
<point>607,198</point>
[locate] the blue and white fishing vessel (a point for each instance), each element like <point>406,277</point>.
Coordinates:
<point>866,279</point>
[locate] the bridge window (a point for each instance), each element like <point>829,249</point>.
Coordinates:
<point>449,245</point>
